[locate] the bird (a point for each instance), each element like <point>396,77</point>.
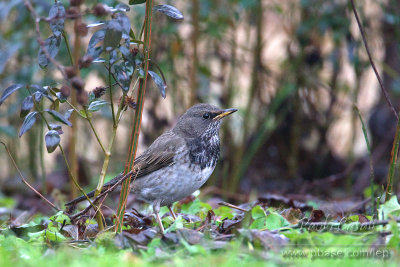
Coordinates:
<point>178,162</point>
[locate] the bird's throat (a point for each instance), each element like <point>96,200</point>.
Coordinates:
<point>204,150</point>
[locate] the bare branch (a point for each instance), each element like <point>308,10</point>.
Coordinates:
<point>384,91</point>
<point>110,189</point>
<point>25,182</point>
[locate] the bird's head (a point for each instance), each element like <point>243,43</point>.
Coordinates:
<point>201,119</point>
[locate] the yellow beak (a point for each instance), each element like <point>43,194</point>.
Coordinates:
<point>224,113</point>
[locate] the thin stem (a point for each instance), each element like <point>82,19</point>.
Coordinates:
<point>133,86</point>
<point>393,161</point>
<point>24,180</point>
<point>73,177</point>
<point>68,48</point>
<point>61,149</point>
<point>94,130</point>
<point>384,91</point>
<point>41,155</point>
<point>137,118</point>
<point>69,103</point>
<point>112,188</point>
<point>111,95</point>
<point>107,155</point>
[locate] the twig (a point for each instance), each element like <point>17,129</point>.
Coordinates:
<point>226,204</point>
<point>112,74</point>
<point>25,182</point>
<point>384,91</point>
<point>110,189</point>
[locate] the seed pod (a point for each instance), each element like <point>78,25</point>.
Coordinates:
<point>77,83</point>
<point>99,10</point>
<point>130,102</point>
<point>99,91</point>
<point>69,71</point>
<point>72,12</point>
<point>134,51</point>
<point>81,29</point>
<point>85,61</point>
<point>65,91</point>
<point>75,2</point>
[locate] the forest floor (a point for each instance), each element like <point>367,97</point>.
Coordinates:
<point>272,230</point>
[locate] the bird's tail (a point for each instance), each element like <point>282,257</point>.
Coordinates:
<point>91,193</point>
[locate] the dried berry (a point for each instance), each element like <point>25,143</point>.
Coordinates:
<point>99,91</point>
<point>69,71</point>
<point>75,2</point>
<point>72,12</point>
<point>82,97</point>
<point>77,83</point>
<point>99,10</point>
<point>81,29</point>
<point>65,91</point>
<point>85,61</point>
<point>130,102</point>
<point>134,51</point>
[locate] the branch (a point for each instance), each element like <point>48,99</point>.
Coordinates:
<point>384,91</point>
<point>110,189</point>
<point>25,182</point>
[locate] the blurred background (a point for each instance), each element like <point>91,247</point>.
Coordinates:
<point>294,69</point>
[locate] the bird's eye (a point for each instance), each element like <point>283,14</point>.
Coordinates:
<point>206,115</point>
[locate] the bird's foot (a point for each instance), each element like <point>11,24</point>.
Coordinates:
<point>172,212</point>
<point>160,223</point>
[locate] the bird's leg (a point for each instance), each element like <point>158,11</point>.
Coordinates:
<point>156,209</point>
<point>172,212</point>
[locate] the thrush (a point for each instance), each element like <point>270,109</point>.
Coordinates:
<point>179,161</point>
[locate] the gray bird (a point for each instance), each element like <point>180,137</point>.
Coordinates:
<point>179,161</point>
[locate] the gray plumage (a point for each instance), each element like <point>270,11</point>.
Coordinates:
<point>179,161</point>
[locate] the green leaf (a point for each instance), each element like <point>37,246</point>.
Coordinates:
<point>68,113</point>
<point>52,45</point>
<point>26,106</point>
<point>159,82</point>
<point>258,212</point>
<point>391,207</point>
<point>97,105</point>
<point>122,77</point>
<point>178,224</point>
<point>9,90</point>
<point>125,23</point>
<point>170,11</point>
<point>60,217</point>
<point>52,139</point>
<point>46,235</point>
<point>94,40</point>
<point>274,221</point>
<point>270,221</point>
<point>113,35</point>
<point>29,121</point>
<point>224,212</point>
<point>58,116</point>
<point>195,207</point>
<point>136,2</point>
<point>57,25</point>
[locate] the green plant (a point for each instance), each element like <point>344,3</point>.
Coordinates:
<point>114,45</point>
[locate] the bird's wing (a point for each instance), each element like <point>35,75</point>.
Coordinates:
<point>160,154</point>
